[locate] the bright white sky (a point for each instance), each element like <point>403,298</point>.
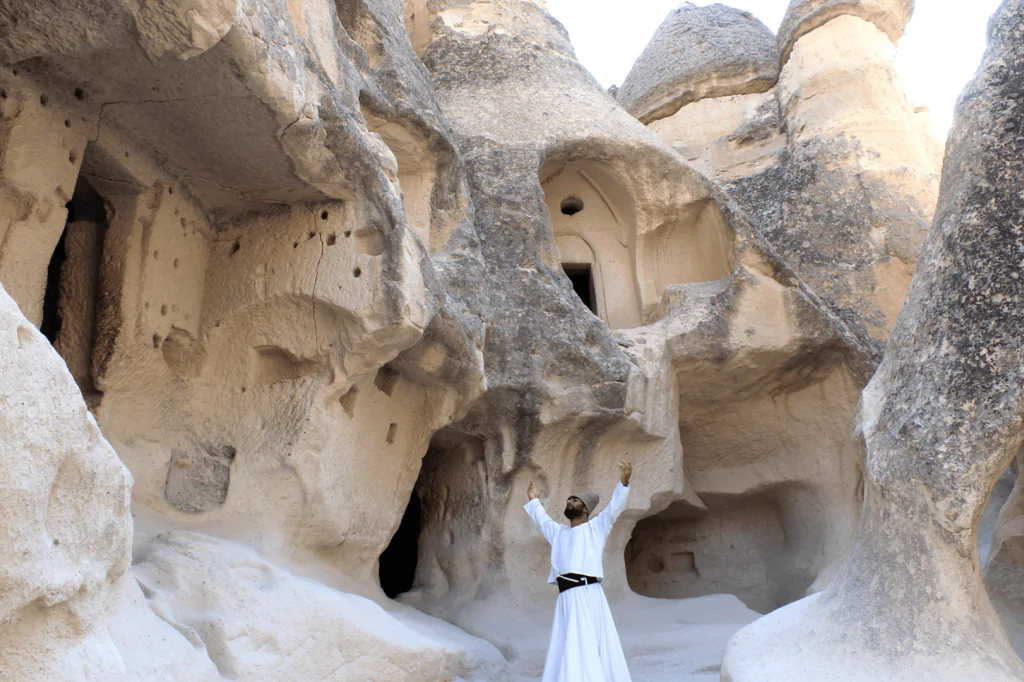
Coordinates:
<point>938,55</point>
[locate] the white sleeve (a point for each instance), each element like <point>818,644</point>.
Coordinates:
<point>606,519</point>
<point>536,511</point>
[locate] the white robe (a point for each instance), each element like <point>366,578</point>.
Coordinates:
<point>584,644</point>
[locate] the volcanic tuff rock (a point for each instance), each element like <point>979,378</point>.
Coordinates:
<point>699,52</point>
<point>941,420</point>
<point>1004,567</point>
<point>338,278</point>
<point>803,16</point>
<point>858,158</point>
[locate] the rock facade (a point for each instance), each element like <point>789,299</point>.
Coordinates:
<point>941,421</point>
<point>834,142</point>
<point>334,281</point>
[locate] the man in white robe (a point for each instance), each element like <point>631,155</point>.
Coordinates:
<point>584,643</point>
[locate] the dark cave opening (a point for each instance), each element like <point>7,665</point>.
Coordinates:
<point>582,284</point>
<point>51,323</point>
<point>73,282</point>
<point>397,565</point>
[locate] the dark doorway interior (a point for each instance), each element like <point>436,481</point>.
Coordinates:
<point>398,562</point>
<point>50,326</point>
<point>582,283</point>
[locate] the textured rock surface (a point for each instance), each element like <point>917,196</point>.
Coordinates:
<point>254,618</point>
<point>803,16</point>
<point>337,279</point>
<point>942,419</point>
<point>1004,563</point>
<point>835,166</point>
<point>68,607</point>
<point>700,52</point>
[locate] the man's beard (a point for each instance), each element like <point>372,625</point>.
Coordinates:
<point>572,513</point>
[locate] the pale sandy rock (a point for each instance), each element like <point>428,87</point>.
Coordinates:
<point>859,163</point>
<point>803,16</point>
<point>67,530</point>
<point>836,143</point>
<point>565,400</point>
<point>69,608</point>
<point>259,622</point>
<point>735,139</point>
<point>251,304</point>
<point>315,291</point>
<point>941,421</point>
<point>699,52</point>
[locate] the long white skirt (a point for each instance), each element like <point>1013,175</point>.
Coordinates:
<point>584,644</point>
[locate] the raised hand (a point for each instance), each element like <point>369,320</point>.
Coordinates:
<point>532,492</point>
<point>625,471</point>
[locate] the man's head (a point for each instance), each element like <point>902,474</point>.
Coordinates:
<point>582,505</point>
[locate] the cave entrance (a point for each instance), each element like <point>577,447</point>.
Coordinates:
<point>397,566</point>
<point>760,547</point>
<point>72,289</point>
<point>582,283</point>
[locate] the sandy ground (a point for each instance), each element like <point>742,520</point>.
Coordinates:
<point>665,640</point>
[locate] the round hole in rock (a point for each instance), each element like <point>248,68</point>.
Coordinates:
<point>79,93</point>
<point>572,205</point>
<point>397,565</point>
<point>357,272</point>
<point>323,215</point>
<point>44,99</point>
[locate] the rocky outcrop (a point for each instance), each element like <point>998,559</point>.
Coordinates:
<point>803,16</point>
<point>941,420</point>
<point>337,279</point>
<point>68,606</point>
<point>836,143</point>
<point>696,53</point>
<point>1004,564</point>
<point>254,618</point>
<point>566,399</point>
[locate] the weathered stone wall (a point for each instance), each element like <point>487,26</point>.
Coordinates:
<point>941,420</point>
<point>304,263</point>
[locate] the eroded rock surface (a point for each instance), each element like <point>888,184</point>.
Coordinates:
<point>338,279</point>
<point>834,165</point>
<point>941,421</point>
<point>803,16</point>
<point>696,53</point>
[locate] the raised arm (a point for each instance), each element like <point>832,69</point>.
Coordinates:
<point>536,511</point>
<point>606,519</point>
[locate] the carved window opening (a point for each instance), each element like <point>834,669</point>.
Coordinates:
<point>572,205</point>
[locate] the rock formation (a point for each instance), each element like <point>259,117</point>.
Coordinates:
<point>697,53</point>
<point>833,142</point>
<point>335,280</point>
<point>1004,564</point>
<point>941,420</point>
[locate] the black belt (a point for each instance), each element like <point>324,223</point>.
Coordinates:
<point>567,581</point>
